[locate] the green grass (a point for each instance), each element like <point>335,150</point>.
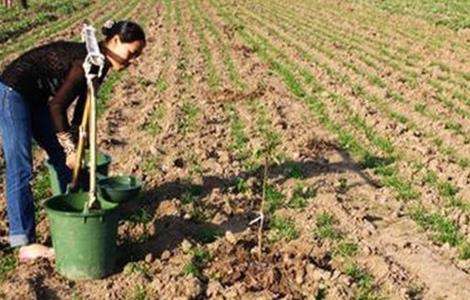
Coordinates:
<point>347,141</point>
<point>212,74</point>
<point>357,90</point>
<point>137,268</point>
<point>420,107</point>
<point>138,292</point>
<point>325,227</point>
<point>187,121</point>
<point>191,269</point>
<point>455,127</point>
<point>200,258</point>
<point>370,161</point>
<point>106,91</point>
<point>442,229</point>
<point>161,85</point>
<point>346,249</point>
<point>359,275</point>
<point>153,124</point>
<point>321,293</point>
<point>301,196</point>
<point>16,21</point>
<point>234,75</point>
<point>364,281</point>
<point>446,190</point>
<point>190,196</point>
<point>450,13</point>
<point>353,41</point>
<point>150,164</point>
<point>389,175</point>
<point>41,185</point>
<point>464,250</point>
<point>241,185</point>
<point>194,165</point>
<point>239,138</point>
<point>282,229</point>
<point>396,96</point>
<point>208,234</point>
<point>41,191</point>
<point>274,199</point>
<point>8,262</point>
<point>293,170</point>
<point>140,216</point>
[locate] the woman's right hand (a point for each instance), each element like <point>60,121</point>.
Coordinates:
<point>71,160</point>
<point>66,141</point>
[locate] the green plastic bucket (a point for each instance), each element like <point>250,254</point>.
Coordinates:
<point>84,244</point>
<point>102,167</point>
<point>120,189</point>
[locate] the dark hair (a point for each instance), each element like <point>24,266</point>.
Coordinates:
<point>127,31</point>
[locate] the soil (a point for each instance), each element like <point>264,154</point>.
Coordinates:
<point>191,235</point>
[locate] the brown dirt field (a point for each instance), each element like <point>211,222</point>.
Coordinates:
<point>190,117</point>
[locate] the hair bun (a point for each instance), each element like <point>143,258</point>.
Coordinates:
<point>127,31</point>
<point>107,27</point>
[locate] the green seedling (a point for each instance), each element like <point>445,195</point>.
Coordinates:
<point>293,170</point>
<point>139,292</point>
<point>192,194</point>
<point>145,82</point>
<point>207,234</point>
<point>237,131</point>
<point>419,107</point>
<point>212,74</point>
<point>150,164</point>
<point>198,261</point>
<point>141,216</point>
<point>8,262</point>
<point>301,196</point>
<point>161,85</point>
<point>444,230</point>
<point>364,280</point>
<point>274,199</point>
<point>325,227</point>
<point>464,250</point>
<point>399,117</point>
<point>198,214</point>
<point>282,229</point>
<point>188,120</point>
<point>346,249</point>
<point>152,125</point>
<point>241,185</point>
<point>343,185</point>
<point>137,268</point>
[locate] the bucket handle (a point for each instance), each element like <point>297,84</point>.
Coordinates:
<point>70,189</point>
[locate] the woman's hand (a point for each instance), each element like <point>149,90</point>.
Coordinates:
<point>71,160</point>
<point>66,141</point>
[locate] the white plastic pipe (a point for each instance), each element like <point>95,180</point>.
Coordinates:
<point>93,66</point>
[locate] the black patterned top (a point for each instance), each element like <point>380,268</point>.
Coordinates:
<point>52,75</point>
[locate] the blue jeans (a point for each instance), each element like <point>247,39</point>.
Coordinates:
<point>19,124</point>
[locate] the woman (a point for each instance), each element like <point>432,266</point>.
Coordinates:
<point>35,91</point>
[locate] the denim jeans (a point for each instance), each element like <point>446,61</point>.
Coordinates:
<point>19,124</point>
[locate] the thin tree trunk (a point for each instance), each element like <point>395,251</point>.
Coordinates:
<point>261,210</point>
